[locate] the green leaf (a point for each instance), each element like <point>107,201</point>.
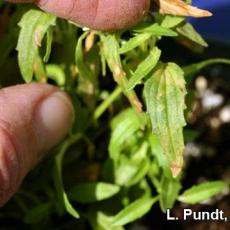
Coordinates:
<point>158,152</point>
<point>169,191</point>
<point>123,127</point>
<point>69,208</point>
<point>192,69</point>
<point>164,94</point>
<point>144,68</point>
<point>91,192</point>
<point>155,30</point>
<point>141,172</point>
<point>189,32</point>
<point>83,68</point>
<point>38,213</point>
<point>201,192</point>
<point>134,211</point>
<point>134,42</point>
<point>130,170</point>
<point>56,73</point>
<point>171,21</point>
<point>39,69</point>
<point>49,41</point>
<point>110,50</point>
<point>102,221</point>
<point>34,24</point>
<point>62,196</point>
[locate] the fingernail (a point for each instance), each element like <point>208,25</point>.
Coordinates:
<point>56,117</point>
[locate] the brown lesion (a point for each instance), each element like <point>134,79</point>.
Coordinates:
<point>180,8</point>
<point>175,169</point>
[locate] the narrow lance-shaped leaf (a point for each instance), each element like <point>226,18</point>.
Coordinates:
<point>49,41</point>
<point>102,221</point>
<point>192,69</point>
<point>34,25</point>
<point>91,192</point>
<point>202,192</point>
<point>171,21</point>
<point>62,196</point>
<point>188,31</point>
<point>144,68</point>
<point>170,188</point>
<point>134,211</point>
<point>39,213</point>
<point>154,30</point>
<point>134,42</point>
<point>164,94</point>
<point>83,68</point>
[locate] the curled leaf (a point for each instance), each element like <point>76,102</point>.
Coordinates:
<point>33,27</point>
<point>180,8</point>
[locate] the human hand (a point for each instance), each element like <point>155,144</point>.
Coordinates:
<point>33,118</point>
<point>105,15</point>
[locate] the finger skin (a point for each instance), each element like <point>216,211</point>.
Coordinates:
<point>104,15</point>
<point>23,137</point>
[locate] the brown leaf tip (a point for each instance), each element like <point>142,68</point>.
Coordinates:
<point>180,8</point>
<point>175,169</point>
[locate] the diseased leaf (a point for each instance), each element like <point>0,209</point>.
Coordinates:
<point>201,192</point>
<point>188,31</point>
<point>180,8</point>
<point>110,50</point>
<point>134,211</point>
<point>92,192</point>
<point>39,69</point>
<point>164,93</point>
<point>158,152</point>
<point>34,24</point>
<point>144,68</point>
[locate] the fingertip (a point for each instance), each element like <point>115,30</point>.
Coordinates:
<point>54,117</point>
<point>33,119</point>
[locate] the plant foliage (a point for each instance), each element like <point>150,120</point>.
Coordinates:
<point>128,134</point>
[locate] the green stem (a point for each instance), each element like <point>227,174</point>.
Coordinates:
<point>106,103</point>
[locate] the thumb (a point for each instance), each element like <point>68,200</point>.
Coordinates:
<point>33,118</point>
